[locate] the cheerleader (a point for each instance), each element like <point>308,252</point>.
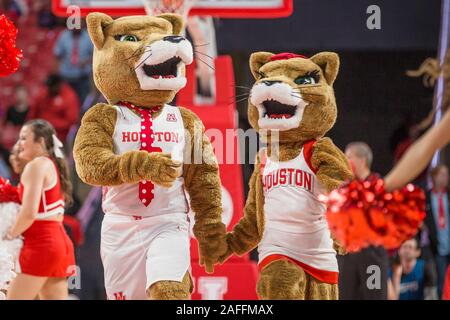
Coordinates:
<point>47,257</point>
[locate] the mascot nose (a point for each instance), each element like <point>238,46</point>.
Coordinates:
<point>173,39</point>
<point>270,82</point>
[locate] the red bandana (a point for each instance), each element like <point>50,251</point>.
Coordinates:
<point>286,56</point>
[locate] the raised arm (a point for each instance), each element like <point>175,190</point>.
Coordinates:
<point>419,155</point>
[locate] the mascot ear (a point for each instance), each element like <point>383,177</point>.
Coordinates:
<point>176,21</point>
<point>329,63</point>
<point>257,60</point>
<point>96,23</point>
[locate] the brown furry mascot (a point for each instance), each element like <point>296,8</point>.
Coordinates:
<point>142,150</point>
<point>292,106</point>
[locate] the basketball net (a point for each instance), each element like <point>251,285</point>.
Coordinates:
<point>181,7</point>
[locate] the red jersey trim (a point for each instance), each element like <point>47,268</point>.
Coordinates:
<point>307,154</point>
<point>321,275</point>
<point>262,160</point>
<point>51,200</point>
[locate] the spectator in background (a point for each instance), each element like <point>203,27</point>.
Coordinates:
<point>353,267</point>
<point>437,221</point>
<point>58,104</point>
<point>17,113</point>
<point>4,169</point>
<point>46,19</point>
<point>401,134</point>
<point>4,153</point>
<point>410,278</point>
<point>14,9</point>
<point>15,117</point>
<point>404,136</point>
<point>73,50</point>
<point>17,164</point>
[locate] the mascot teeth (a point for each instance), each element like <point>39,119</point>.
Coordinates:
<point>279,108</point>
<point>160,67</point>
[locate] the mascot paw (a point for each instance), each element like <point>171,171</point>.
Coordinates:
<point>208,264</point>
<point>225,257</point>
<point>163,170</point>
<point>333,166</point>
<point>229,251</point>
<point>212,246</point>
<point>340,249</point>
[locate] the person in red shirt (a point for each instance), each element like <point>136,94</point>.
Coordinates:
<point>57,103</point>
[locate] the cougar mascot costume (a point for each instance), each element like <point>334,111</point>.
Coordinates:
<point>292,106</point>
<point>141,151</point>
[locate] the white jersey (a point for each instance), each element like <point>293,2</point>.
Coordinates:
<point>295,222</point>
<point>169,135</point>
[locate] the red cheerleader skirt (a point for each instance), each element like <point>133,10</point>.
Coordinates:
<point>47,250</point>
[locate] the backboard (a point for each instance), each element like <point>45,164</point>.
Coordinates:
<point>215,8</point>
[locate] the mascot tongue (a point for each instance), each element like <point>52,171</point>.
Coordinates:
<point>279,116</point>
<point>164,77</point>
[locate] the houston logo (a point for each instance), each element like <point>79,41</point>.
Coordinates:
<point>133,136</point>
<point>288,177</point>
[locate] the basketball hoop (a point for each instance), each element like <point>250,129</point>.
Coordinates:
<point>262,9</point>
<point>156,7</point>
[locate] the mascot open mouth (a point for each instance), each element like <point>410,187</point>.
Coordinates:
<point>278,107</point>
<point>166,70</point>
<point>278,110</point>
<point>162,64</point>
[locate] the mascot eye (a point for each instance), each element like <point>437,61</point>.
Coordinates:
<point>309,78</point>
<point>128,37</point>
<point>305,80</point>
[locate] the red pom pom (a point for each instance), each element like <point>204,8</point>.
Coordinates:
<point>8,193</point>
<point>10,56</point>
<point>361,213</point>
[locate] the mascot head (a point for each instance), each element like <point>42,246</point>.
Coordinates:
<point>139,59</point>
<point>293,94</point>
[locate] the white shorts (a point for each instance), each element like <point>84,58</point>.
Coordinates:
<point>137,252</point>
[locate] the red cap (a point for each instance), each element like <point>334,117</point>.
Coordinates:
<point>286,56</point>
